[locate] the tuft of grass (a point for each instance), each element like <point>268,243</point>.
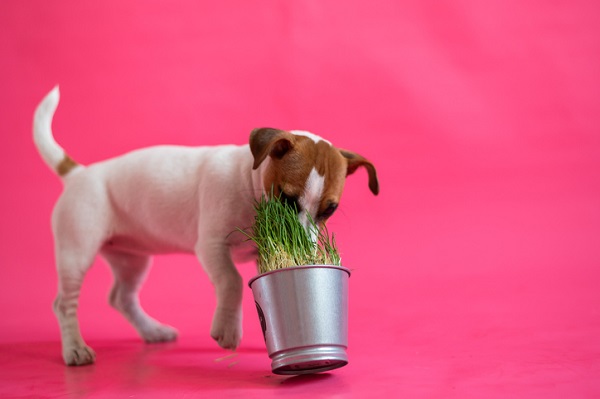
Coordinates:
<point>283,242</point>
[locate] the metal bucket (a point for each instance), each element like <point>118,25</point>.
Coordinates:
<point>303,312</point>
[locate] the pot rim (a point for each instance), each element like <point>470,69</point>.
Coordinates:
<point>300,267</point>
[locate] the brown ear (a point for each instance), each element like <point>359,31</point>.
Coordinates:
<point>268,141</point>
<point>355,161</point>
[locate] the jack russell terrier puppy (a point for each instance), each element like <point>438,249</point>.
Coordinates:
<point>169,199</point>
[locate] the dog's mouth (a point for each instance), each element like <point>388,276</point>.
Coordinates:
<point>308,222</point>
<point>290,200</point>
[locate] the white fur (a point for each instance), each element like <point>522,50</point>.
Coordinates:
<point>309,202</point>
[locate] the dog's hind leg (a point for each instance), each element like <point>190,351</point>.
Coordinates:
<point>79,229</point>
<point>72,266</point>
<point>130,271</point>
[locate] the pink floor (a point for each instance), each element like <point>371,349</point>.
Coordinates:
<point>488,336</point>
<point>476,271</point>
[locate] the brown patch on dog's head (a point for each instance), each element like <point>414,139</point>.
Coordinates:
<point>305,169</point>
<point>65,166</point>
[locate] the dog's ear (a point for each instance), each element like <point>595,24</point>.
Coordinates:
<point>268,141</point>
<point>355,161</point>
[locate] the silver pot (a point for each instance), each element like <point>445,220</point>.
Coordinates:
<point>303,311</point>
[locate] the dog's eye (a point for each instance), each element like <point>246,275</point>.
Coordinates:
<point>328,211</point>
<point>290,200</point>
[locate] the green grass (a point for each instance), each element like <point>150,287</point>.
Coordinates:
<point>283,242</point>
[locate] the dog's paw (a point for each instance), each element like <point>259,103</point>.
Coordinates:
<point>159,333</point>
<point>79,356</point>
<point>227,329</point>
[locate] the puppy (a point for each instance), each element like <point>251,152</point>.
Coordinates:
<point>169,199</point>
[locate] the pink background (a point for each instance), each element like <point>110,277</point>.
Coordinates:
<point>476,270</point>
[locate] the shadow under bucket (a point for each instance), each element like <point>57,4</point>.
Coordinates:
<point>303,312</point>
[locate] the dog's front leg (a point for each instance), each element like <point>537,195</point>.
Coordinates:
<point>215,258</point>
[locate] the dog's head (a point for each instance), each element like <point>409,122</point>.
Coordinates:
<point>306,170</point>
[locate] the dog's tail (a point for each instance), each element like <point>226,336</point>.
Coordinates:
<point>52,153</point>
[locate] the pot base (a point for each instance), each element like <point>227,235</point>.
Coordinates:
<point>309,360</point>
